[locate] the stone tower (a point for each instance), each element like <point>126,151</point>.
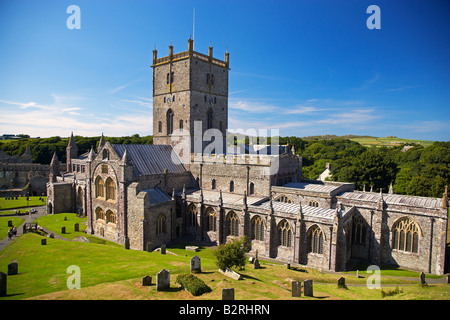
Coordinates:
<point>71,152</point>
<point>189,88</point>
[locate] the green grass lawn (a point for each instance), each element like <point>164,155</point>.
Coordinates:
<point>22,202</point>
<point>4,225</point>
<point>111,272</point>
<point>392,141</point>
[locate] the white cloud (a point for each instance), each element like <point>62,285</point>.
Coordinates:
<point>253,107</point>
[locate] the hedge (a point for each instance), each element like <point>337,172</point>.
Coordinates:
<point>192,284</point>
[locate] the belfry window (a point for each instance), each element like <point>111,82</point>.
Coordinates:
<point>209,122</point>
<point>169,116</point>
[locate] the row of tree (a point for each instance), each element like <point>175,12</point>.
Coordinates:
<point>422,171</point>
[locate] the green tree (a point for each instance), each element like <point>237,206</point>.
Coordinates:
<point>232,254</point>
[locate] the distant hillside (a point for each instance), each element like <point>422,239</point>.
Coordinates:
<point>373,141</point>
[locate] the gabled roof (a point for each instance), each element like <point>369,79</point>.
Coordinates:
<point>157,196</point>
<point>150,159</point>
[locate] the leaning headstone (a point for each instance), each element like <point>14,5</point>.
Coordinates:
<point>163,249</point>
<point>256,264</point>
<point>3,277</point>
<point>192,248</point>
<point>13,268</point>
<point>308,288</point>
<point>341,283</point>
<point>43,242</point>
<point>163,280</point>
<point>231,274</point>
<point>63,230</point>
<point>296,289</point>
<point>196,266</point>
<point>422,279</point>
<point>147,281</point>
<point>76,227</point>
<point>228,294</point>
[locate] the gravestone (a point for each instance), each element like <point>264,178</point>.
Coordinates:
<point>288,266</point>
<point>341,283</point>
<point>65,218</point>
<point>422,279</point>
<point>196,266</point>
<point>256,264</point>
<point>43,242</point>
<point>13,268</point>
<point>149,247</point>
<point>77,227</point>
<point>296,289</point>
<point>228,294</point>
<point>63,230</point>
<point>448,278</point>
<point>10,223</point>
<point>163,280</point>
<point>308,288</point>
<point>357,274</point>
<point>3,277</point>
<point>163,249</point>
<point>147,281</point>
<point>52,235</point>
<point>251,260</point>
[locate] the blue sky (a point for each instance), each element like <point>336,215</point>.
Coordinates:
<point>303,67</point>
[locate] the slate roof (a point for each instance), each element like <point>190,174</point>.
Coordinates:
<point>150,159</point>
<point>157,196</point>
<point>313,187</point>
<point>294,209</point>
<point>396,199</point>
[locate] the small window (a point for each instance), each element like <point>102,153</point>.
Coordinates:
<point>207,78</point>
<point>213,184</point>
<point>181,125</point>
<point>159,126</point>
<point>212,79</point>
<point>252,188</point>
<point>231,186</point>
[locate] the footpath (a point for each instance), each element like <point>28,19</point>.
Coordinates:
<point>29,218</point>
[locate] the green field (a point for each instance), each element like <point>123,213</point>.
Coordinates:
<point>22,202</point>
<point>389,141</point>
<point>112,272</point>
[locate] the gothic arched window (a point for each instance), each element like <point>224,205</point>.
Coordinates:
<point>210,219</point>
<point>405,235</point>
<point>257,228</point>
<point>161,226</point>
<point>358,230</point>
<point>169,116</point>
<point>110,217</point>
<point>233,224</point>
<point>209,122</point>
<point>315,240</point>
<point>284,234</point>
<point>99,187</point>
<point>284,198</point>
<point>192,215</point>
<point>110,189</point>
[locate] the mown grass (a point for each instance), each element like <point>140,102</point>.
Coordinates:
<point>22,202</point>
<point>4,224</point>
<point>110,272</point>
<point>389,141</point>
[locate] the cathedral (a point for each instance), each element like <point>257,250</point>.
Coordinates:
<point>184,187</point>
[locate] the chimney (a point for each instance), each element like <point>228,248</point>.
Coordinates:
<point>190,46</point>
<point>210,52</point>
<point>155,55</point>
<point>170,51</point>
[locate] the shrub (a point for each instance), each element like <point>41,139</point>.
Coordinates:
<point>232,254</point>
<point>391,292</point>
<point>192,284</point>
